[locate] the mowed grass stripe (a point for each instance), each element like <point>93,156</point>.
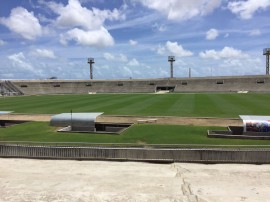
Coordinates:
<point>204,106</point>
<point>140,134</point>
<point>182,105</point>
<point>140,106</point>
<point>194,105</point>
<point>225,105</point>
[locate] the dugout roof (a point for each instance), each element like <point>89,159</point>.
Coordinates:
<point>75,119</point>
<point>5,112</point>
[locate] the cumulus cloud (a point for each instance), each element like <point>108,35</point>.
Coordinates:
<point>19,60</point>
<point>181,9</point>
<point>74,15</point>
<point>246,9</point>
<point>134,62</point>
<point>132,42</point>
<point>98,38</point>
<point>118,57</point>
<point>226,52</point>
<point>172,48</point>
<point>45,53</point>
<point>211,34</point>
<point>23,23</point>
<point>86,25</point>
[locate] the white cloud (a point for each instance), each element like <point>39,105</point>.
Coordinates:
<point>182,9</point>
<point>226,52</point>
<point>126,72</point>
<point>172,48</point>
<point>132,42</point>
<point>23,22</point>
<point>2,42</point>
<point>255,32</point>
<point>160,28</point>
<point>123,58</point>
<point>119,57</point>
<point>98,38</point>
<point>19,60</point>
<point>74,15</point>
<point>246,9</point>
<point>134,62</point>
<point>86,25</point>
<point>109,56</point>
<point>45,53</point>
<point>211,34</point>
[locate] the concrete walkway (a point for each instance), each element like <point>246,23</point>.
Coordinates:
<point>53,180</point>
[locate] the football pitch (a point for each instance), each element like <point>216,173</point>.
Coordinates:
<point>181,105</point>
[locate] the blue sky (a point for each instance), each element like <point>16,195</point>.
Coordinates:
<point>132,38</point>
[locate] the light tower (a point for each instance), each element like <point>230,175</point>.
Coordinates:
<point>91,62</point>
<point>266,52</point>
<point>171,59</point>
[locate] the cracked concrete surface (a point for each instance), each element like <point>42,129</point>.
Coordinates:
<point>64,180</point>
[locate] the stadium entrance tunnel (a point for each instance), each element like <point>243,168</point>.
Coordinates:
<point>8,123</point>
<point>86,123</point>
<point>165,88</point>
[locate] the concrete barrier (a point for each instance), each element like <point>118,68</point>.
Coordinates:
<point>254,156</point>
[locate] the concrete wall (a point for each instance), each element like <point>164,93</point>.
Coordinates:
<point>210,84</point>
<point>138,154</point>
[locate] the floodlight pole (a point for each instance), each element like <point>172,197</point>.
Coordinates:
<point>91,62</point>
<point>171,59</point>
<point>266,52</point>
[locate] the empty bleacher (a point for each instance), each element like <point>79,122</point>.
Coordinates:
<point>180,85</point>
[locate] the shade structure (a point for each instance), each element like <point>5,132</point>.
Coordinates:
<point>5,112</point>
<point>77,121</point>
<point>256,123</point>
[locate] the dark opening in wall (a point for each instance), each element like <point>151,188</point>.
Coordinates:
<point>23,86</point>
<point>184,83</point>
<point>120,84</point>
<point>88,84</point>
<point>56,85</point>
<point>165,88</point>
<point>151,84</point>
<point>260,81</point>
<point>219,82</point>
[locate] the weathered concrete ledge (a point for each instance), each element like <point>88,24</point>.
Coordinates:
<point>252,156</point>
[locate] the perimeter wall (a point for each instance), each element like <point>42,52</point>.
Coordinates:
<point>255,156</point>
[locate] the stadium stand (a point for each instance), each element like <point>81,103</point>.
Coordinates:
<point>8,88</point>
<point>180,85</point>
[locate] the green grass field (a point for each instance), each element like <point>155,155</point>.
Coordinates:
<point>137,134</point>
<point>186,105</point>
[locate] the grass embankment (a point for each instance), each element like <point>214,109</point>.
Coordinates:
<point>137,134</point>
<point>185,105</point>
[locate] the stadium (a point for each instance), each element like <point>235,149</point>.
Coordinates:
<point>168,113</point>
